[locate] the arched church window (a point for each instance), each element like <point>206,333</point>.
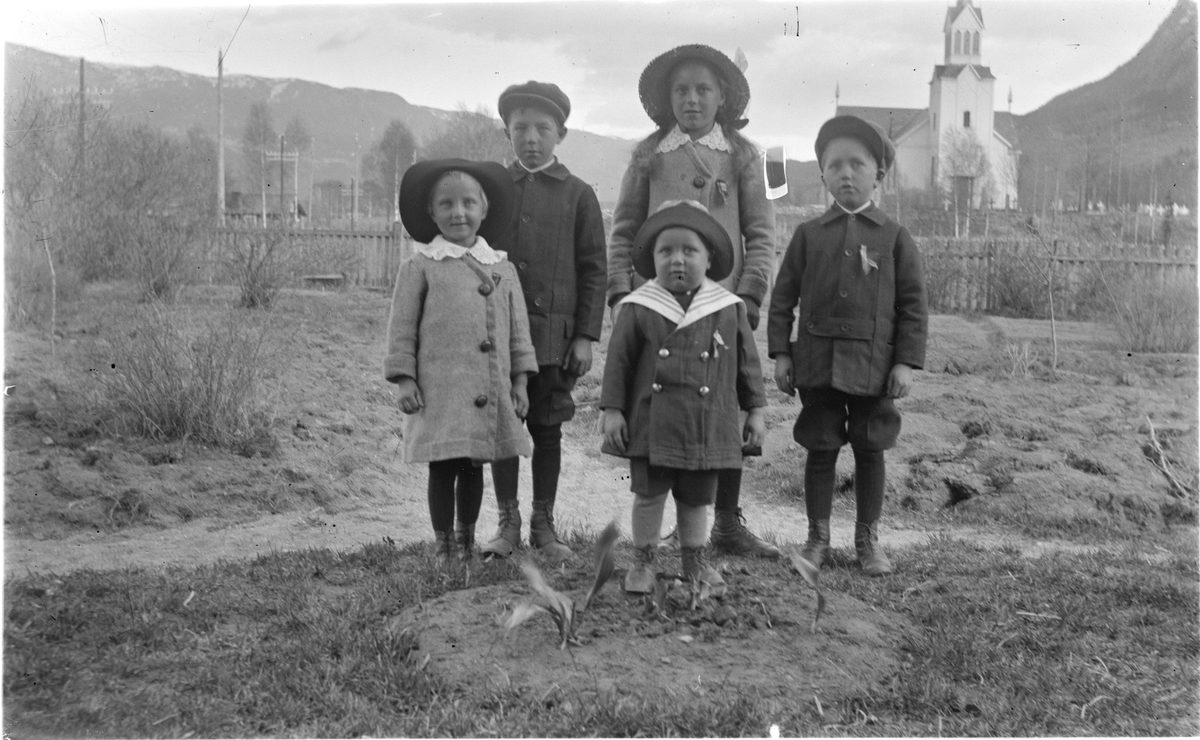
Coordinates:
<point>975,44</point>
<point>958,42</point>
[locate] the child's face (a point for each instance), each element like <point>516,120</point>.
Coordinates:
<point>695,98</point>
<point>681,259</point>
<point>534,134</point>
<point>849,172</point>
<point>457,207</point>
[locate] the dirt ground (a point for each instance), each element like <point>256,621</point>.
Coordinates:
<point>992,450</point>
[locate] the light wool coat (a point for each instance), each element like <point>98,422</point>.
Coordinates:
<point>459,328</point>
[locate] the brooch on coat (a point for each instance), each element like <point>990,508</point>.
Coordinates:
<point>718,341</point>
<point>867,262</point>
<point>722,192</point>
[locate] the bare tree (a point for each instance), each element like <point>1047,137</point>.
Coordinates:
<point>385,162</point>
<point>965,172</point>
<point>469,135</point>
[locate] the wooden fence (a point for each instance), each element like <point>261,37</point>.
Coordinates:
<point>982,275</point>
<point>366,258</point>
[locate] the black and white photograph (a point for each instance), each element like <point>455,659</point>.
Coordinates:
<point>601,368</point>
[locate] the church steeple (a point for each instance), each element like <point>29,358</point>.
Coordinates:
<point>963,29</point>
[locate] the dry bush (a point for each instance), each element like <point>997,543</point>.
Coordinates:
<point>254,258</point>
<point>1154,314</point>
<point>944,277</point>
<point>162,253</point>
<point>175,376</point>
<point>30,287</point>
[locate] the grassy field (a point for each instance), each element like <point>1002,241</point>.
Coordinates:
<point>1047,568</point>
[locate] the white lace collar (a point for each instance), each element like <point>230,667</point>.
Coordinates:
<point>440,249</point>
<point>714,140</point>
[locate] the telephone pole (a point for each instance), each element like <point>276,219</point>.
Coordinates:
<point>220,144</point>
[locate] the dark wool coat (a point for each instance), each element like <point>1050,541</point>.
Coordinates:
<point>556,241</point>
<point>734,194</point>
<point>459,328</point>
<point>680,390</point>
<point>854,324</point>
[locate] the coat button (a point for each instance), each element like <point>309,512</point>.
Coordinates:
<point>698,182</point>
<point>809,325</point>
<point>704,356</point>
<point>704,390</point>
<point>853,217</point>
<point>481,401</point>
<point>843,293</point>
<point>532,177</point>
<point>485,289</point>
<point>845,327</point>
<point>522,264</point>
<point>656,387</point>
<point>525,218</point>
<point>537,301</point>
<point>847,252</point>
<point>664,353</point>
<point>485,345</point>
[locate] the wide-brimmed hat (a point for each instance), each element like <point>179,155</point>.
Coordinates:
<point>544,96</point>
<point>420,178</point>
<point>688,214</point>
<point>853,127</point>
<point>654,86</point>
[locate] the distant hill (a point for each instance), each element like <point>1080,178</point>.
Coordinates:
<point>176,101</point>
<point>1139,121</point>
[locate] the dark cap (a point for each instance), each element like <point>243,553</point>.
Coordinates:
<point>545,96</point>
<point>418,182</point>
<point>655,83</point>
<point>853,127</point>
<point>688,214</point>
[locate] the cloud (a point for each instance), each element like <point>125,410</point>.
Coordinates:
<point>342,39</point>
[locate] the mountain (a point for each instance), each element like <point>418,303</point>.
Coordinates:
<point>1139,122</point>
<point>342,121</point>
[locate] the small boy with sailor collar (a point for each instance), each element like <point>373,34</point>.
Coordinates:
<point>681,363</point>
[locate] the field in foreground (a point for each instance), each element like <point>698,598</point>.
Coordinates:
<point>1047,570</point>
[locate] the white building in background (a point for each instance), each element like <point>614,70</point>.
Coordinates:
<point>959,143</point>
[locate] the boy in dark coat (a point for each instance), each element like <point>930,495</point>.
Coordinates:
<point>856,276</point>
<point>681,363</point>
<point>556,241</point>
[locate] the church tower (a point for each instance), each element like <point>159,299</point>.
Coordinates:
<point>961,98</point>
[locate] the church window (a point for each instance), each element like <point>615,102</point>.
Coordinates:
<point>967,119</point>
<point>958,42</point>
<point>975,44</point>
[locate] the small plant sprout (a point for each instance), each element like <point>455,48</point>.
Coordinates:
<point>559,606</point>
<point>812,576</point>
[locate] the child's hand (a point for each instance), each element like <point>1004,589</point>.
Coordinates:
<point>755,430</point>
<point>783,373</point>
<point>410,395</point>
<point>520,394</point>
<point>579,357</point>
<point>900,380</point>
<point>612,426</point>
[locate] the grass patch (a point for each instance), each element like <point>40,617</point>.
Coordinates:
<point>304,644</point>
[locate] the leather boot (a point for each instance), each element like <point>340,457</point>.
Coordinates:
<point>464,540</point>
<point>670,541</point>
<point>641,577</point>
<point>870,557</point>
<point>508,533</point>
<point>443,543</point>
<point>729,534</point>
<point>696,568</point>
<point>817,548</point>
<point>541,531</point>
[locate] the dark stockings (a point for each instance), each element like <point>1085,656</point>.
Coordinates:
<point>820,478</point>
<point>450,482</point>
<point>546,465</point>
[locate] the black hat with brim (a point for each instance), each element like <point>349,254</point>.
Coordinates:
<point>654,85</point>
<point>687,215</point>
<point>853,127</point>
<point>420,178</point>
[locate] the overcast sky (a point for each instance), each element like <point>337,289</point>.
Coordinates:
<point>881,53</point>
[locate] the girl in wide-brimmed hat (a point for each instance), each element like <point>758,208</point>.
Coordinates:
<point>697,96</point>
<point>459,348</point>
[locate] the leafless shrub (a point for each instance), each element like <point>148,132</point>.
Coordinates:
<point>254,258</point>
<point>1154,314</point>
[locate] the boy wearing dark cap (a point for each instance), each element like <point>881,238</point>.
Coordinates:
<point>556,241</point>
<point>863,321</point>
<point>681,365</point>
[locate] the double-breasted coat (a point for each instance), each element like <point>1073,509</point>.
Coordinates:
<point>680,383</point>
<point>858,282</point>
<point>733,191</point>
<point>460,329</point>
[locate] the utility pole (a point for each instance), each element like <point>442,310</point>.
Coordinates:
<point>281,188</point>
<point>220,144</point>
<point>82,135</point>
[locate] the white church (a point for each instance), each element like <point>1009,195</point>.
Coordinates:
<point>959,144</point>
